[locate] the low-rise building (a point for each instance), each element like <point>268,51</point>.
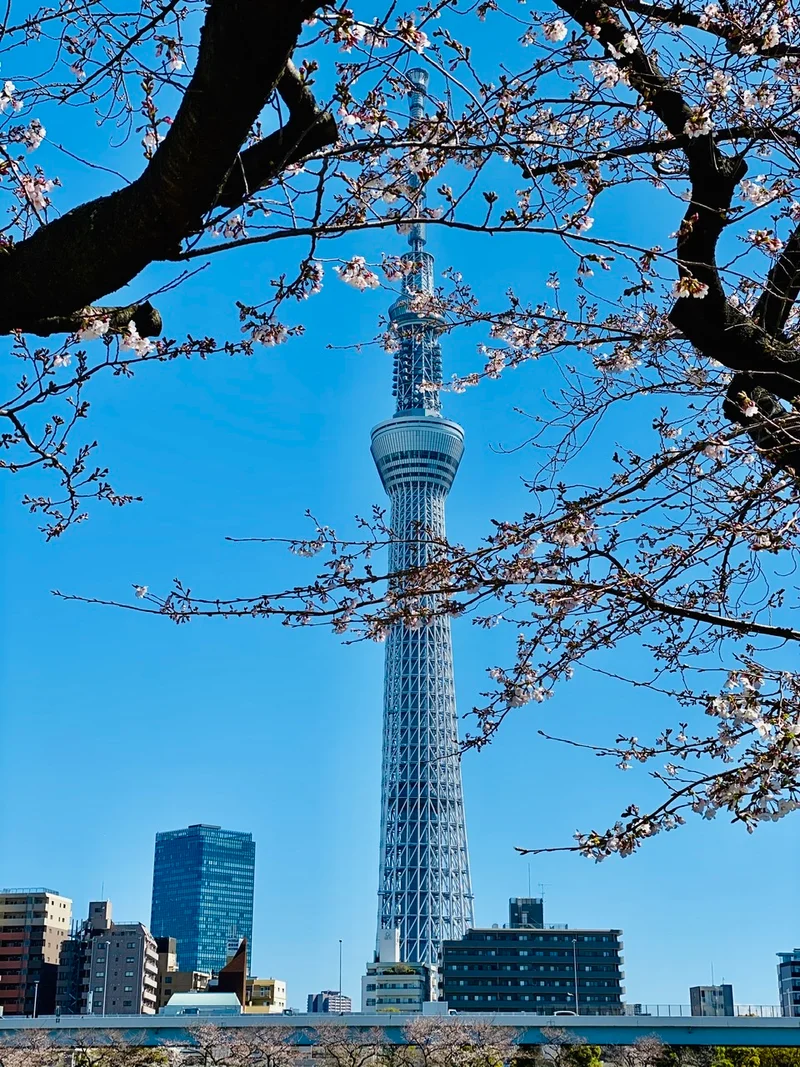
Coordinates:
<point>329,1000</point>
<point>203,1004</point>
<point>34,923</point>
<point>265,996</point>
<point>789,982</point>
<point>711,1000</point>
<point>170,979</point>
<point>535,969</point>
<point>391,985</point>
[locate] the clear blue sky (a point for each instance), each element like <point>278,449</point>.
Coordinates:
<point>115,726</point>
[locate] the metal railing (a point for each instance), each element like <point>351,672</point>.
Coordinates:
<point>652,1011</point>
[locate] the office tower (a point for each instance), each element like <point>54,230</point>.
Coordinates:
<point>203,880</point>
<point>108,968</point>
<point>33,925</point>
<point>526,911</point>
<point>539,970</point>
<point>711,1000</point>
<point>789,982</point>
<point>329,1000</point>
<point>424,882</point>
<point>391,984</point>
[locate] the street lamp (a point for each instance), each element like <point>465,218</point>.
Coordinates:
<point>575,972</point>
<point>35,997</point>
<point>340,966</point>
<point>105,973</point>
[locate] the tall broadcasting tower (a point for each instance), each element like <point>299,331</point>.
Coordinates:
<point>424,887</point>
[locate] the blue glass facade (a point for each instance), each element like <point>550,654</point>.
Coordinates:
<point>203,880</point>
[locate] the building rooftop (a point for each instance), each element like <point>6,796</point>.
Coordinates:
<point>197,1003</point>
<point>28,891</point>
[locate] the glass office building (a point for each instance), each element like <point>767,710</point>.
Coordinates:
<point>203,880</point>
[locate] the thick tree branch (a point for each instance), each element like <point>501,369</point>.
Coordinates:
<point>307,131</point>
<point>678,14</point>
<point>100,246</point>
<point>711,324</point>
<point>782,288</point>
<point>144,317</point>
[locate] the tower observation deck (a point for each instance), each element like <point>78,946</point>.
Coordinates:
<point>424,884</point>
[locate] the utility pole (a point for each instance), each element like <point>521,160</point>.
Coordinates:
<point>575,973</point>
<point>105,973</point>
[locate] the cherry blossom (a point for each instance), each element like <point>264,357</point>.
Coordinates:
<point>412,35</point>
<point>97,326</point>
<point>688,286</point>
<point>140,345</point>
<point>356,273</point>
<point>555,31</point>
<point>272,333</point>
<point>699,123</point>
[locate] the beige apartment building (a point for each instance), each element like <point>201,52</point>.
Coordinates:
<point>33,925</point>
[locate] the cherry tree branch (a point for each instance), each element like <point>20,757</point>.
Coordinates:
<point>100,246</point>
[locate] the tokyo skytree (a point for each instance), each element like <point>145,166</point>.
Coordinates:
<point>424,884</point>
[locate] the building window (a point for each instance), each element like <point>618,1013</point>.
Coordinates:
<point>131,944</point>
<point>127,989</point>
<point>99,974</point>
<point>129,974</point>
<point>127,1003</point>
<point>130,959</point>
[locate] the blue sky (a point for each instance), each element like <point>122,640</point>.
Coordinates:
<point>115,726</point>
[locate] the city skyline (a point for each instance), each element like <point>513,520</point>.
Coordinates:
<point>253,444</point>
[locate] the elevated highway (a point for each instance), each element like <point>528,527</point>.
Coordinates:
<point>305,1030</point>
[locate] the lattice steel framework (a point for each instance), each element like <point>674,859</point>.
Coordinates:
<point>424,887</point>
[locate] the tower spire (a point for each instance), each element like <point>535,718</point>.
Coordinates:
<point>418,234</point>
<point>418,359</point>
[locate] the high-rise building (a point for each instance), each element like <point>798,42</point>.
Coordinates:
<point>33,925</point>
<point>711,1000</point>
<point>526,911</point>
<point>789,982</point>
<point>108,968</point>
<point>203,880</point>
<point>74,961</point>
<point>123,971</point>
<point>534,967</point>
<point>329,1000</point>
<point>424,882</point>
<point>391,984</point>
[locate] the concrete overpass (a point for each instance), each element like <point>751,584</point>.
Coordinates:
<point>304,1030</point>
